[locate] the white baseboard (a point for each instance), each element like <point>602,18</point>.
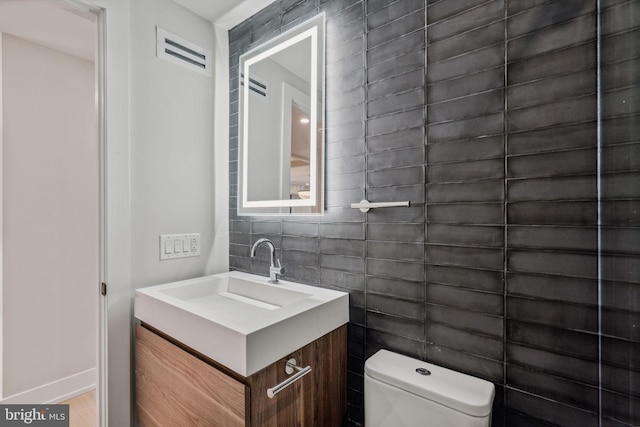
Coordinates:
<point>56,391</point>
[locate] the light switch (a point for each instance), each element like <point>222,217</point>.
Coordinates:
<point>179,245</point>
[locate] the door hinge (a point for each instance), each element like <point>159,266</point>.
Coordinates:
<point>103,289</point>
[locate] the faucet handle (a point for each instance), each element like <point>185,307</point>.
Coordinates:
<point>275,271</point>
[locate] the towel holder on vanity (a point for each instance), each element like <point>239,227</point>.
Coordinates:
<point>365,205</point>
<point>289,369</point>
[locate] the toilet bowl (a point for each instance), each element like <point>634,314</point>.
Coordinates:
<point>403,392</point>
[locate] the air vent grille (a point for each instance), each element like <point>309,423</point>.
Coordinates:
<point>257,86</point>
<point>182,52</point>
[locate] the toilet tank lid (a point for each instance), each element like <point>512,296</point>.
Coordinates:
<point>470,395</point>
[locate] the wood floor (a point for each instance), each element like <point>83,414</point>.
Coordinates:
<point>82,410</point>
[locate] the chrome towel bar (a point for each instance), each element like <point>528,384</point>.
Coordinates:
<point>289,369</point>
<point>365,205</point>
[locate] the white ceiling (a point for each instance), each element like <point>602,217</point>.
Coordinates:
<point>225,13</point>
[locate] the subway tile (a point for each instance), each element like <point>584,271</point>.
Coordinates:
<point>396,29</point>
<point>552,89</point>
<point>344,247</point>
<point>621,407</point>
<point>344,50</point>
<point>396,232</point>
<point>558,314</point>
<point>492,236</point>
<point>412,347</point>
<point>548,287</point>
<point>411,156</point>
<point>476,191</point>
<point>547,15</point>
<point>620,46</point>
<point>483,258</point>
<point>560,212</point>
<point>467,363</point>
<point>467,20</point>
<point>620,268</point>
<point>342,231</point>
<point>395,251</point>
<point>551,387</point>
<point>620,296</point>
<point>621,352</point>
<point>440,10</point>
<point>621,213</point>
<point>465,299</point>
<point>413,137</point>
<point>349,20</point>
<point>464,65</point>
<point>412,214</point>
<point>467,107</point>
<point>466,320</point>
<point>620,158</point>
<point>294,258</point>
<point>396,66</point>
<point>488,125</point>
<point>398,47</point>
<point>548,189</point>
<point>342,279</point>
<point>342,263</point>
<point>621,324</point>
<point>620,102</point>
<point>555,364</point>
<point>298,14</point>
<point>465,213</point>
<point>555,238</point>
<point>398,326</point>
<point>396,103</point>
<point>572,110</point>
<point>347,99</point>
<point>574,162</point>
<point>396,84</point>
<point>620,18</point>
<point>394,177</point>
<point>336,7</point>
<point>343,197</point>
<point>466,85</point>
<point>338,70</point>
<point>345,83</point>
<point>344,116</point>
<point>345,165</point>
<point>564,264</point>
<point>579,344</point>
<point>299,229</point>
<point>466,42</point>
<point>395,269</point>
<point>400,288</point>
<point>395,307</point>
<point>304,244</point>
<point>337,150</point>
<point>482,280</point>
<point>567,60</point>
<point>395,122</point>
<point>465,171</point>
<point>301,273</point>
<point>479,345</point>
<point>344,133</point>
<point>465,150</point>
<point>620,380</point>
<point>392,12</point>
<point>346,181</point>
<point>548,410</point>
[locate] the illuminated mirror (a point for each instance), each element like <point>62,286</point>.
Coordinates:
<point>281,124</point>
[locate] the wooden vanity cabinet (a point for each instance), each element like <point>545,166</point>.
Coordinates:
<point>177,386</point>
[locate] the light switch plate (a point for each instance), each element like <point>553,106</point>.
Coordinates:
<point>179,245</point>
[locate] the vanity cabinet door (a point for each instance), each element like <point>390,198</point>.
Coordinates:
<point>175,388</point>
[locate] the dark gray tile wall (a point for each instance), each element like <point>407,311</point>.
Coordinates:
<point>483,113</point>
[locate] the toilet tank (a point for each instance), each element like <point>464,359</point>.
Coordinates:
<point>401,391</point>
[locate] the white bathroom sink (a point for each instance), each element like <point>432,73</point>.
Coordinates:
<point>240,320</point>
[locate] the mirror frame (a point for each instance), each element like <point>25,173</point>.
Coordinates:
<point>315,29</point>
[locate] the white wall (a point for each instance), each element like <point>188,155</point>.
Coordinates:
<point>50,224</point>
<point>172,154</point>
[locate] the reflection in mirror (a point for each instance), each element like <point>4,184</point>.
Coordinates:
<point>281,124</point>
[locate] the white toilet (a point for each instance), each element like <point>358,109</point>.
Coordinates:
<point>403,392</point>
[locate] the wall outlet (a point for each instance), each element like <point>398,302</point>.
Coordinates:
<point>179,245</point>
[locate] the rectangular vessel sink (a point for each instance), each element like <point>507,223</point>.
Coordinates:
<point>239,319</point>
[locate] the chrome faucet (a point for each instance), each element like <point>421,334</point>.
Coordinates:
<point>275,269</point>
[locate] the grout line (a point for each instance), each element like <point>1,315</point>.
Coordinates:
<point>599,192</point>
<point>504,216</point>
